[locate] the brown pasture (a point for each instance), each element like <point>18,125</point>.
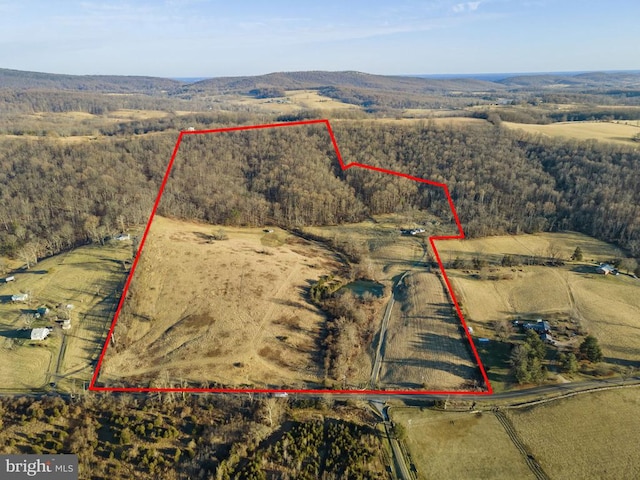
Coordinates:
<point>229,312</point>
<point>603,306</point>
<point>424,347</point>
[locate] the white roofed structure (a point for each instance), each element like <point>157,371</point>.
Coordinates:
<point>40,333</point>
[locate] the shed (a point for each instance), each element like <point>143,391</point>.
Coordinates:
<point>123,236</point>
<point>40,333</point>
<point>19,297</point>
<point>10,279</point>
<point>42,311</point>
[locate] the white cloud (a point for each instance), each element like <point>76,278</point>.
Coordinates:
<point>466,7</point>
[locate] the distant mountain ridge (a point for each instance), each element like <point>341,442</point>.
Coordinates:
<point>22,80</point>
<point>303,80</point>
<point>319,79</point>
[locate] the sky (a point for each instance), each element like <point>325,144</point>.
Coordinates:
<point>208,38</point>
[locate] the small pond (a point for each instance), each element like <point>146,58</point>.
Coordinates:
<point>360,287</point>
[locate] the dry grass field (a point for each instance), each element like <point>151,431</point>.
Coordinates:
<point>87,278</point>
<point>594,436</point>
<point>613,132</point>
<point>590,436</point>
<point>293,101</point>
<point>455,445</point>
<point>603,306</point>
<point>231,312</point>
<point>424,348</point>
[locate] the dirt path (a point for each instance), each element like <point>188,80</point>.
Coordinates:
<point>533,465</point>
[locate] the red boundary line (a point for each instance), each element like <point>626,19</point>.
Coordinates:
<point>432,240</point>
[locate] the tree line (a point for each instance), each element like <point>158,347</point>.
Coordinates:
<point>54,195</point>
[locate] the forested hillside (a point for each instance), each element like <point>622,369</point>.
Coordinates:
<point>55,195</point>
<point>21,80</point>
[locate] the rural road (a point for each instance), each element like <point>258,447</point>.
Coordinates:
<point>377,364</point>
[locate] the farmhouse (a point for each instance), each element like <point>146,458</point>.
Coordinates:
<point>538,327</point>
<point>606,269</point>
<point>40,333</point>
<point>19,297</point>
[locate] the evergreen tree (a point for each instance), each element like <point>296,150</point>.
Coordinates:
<point>577,255</point>
<point>590,350</point>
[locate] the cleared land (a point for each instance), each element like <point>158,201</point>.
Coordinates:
<point>231,312</point>
<point>453,445</point>
<point>293,101</point>
<point>587,436</point>
<point>424,347</point>
<point>613,132</point>
<point>605,306</point>
<point>89,278</point>
<point>590,436</point>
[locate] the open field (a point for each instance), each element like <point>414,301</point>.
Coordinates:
<point>453,445</point>
<point>593,436</point>
<point>620,132</point>
<point>424,348</point>
<point>232,311</point>
<point>605,306</point>
<point>88,278</point>
<point>293,101</point>
<point>590,436</point>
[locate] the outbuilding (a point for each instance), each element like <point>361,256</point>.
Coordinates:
<point>606,269</point>
<point>19,297</point>
<point>40,333</point>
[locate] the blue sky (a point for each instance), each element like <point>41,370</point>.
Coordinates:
<point>200,38</point>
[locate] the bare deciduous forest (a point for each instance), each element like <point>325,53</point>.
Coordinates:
<point>55,196</point>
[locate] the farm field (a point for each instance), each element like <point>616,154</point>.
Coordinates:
<point>89,278</point>
<point>231,311</point>
<point>293,101</point>
<point>612,132</point>
<point>424,347</point>
<point>594,436</point>
<point>590,436</point>
<point>453,445</point>
<point>604,306</point>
